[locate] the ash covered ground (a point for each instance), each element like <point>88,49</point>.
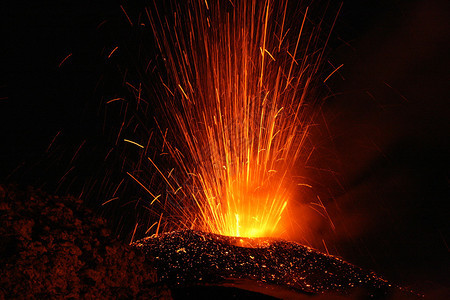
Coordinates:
<point>189,257</point>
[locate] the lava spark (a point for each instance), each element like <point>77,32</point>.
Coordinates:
<point>235,106</point>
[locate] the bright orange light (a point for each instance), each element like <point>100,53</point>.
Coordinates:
<point>235,103</point>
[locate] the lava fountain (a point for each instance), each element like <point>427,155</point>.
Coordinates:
<point>235,108</point>
<point>237,100</point>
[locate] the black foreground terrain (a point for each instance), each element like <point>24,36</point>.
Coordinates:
<point>54,247</point>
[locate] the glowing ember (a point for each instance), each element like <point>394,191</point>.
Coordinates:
<point>235,105</point>
<point>188,257</point>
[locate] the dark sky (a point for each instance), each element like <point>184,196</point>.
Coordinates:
<point>389,123</point>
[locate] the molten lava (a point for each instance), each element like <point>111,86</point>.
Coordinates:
<point>235,112</point>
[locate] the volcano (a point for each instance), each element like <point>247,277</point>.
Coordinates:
<point>274,267</point>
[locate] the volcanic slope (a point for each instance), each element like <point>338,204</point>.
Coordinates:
<point>187,257</point>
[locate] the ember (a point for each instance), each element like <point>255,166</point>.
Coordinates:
<point>191,257</point>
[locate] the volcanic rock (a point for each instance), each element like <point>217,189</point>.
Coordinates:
<point>53,247</point>
<point>186,258</point>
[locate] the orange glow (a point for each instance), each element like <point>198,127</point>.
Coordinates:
<point>235,102</point>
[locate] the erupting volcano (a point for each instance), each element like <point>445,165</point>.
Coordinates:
<point>236,103</point>
<point>224,142</point>
<point>235,111</point>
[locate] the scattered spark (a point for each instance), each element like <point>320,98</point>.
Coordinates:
<point>64,60</point>
<point>134,143</point>
<point>320,204</point>
<point>120,132</point>
<point>155,199</point>
<point>53,140</point>
<point>184,93</point>
<point>64,176</point>
<point>159,224</point>
<point>142,185</point>
<point>397,91</point>
<point>112,52</point>
<point>270,54</point>
<point>134,232</point>
<point>332,73</point>
<point>77,151</point>
<point>139,94</point>
<point>304,184</point>
<point>126,15</point>
<point>325,245</point>
<point>112,199</point>
<point>148,230</point>
<point>114,100</point>
<point>101,24</point>
<point>117,188</point>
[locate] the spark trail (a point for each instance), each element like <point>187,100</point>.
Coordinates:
<point>236,101</point>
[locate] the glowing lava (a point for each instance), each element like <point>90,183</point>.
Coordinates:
<point>235,106</point>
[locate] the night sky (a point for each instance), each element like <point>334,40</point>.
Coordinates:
<point>386,137</point>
